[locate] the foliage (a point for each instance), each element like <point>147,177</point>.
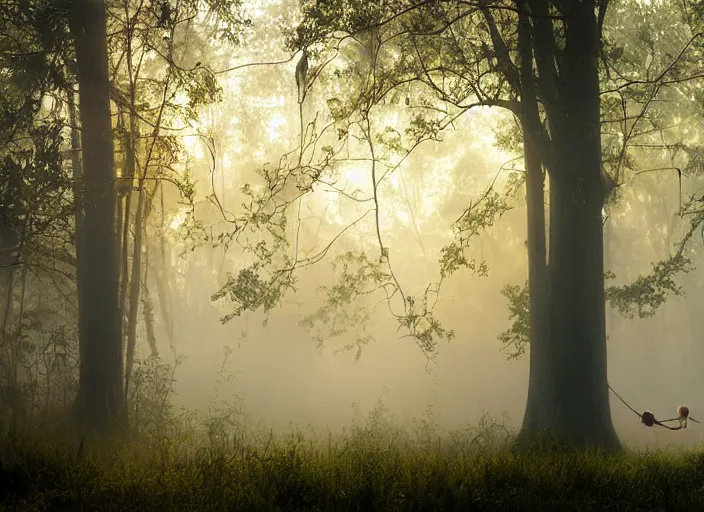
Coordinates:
<point>650,68</point>
<point>474,220</point>
<point>250,292</point>
<point>648,292</point>
<point>226,419</point>
<point>414,53</point>
<point>516,338</point>
<point>149,401</point>
<point>643,298</point>
<point>38,355</point>
<point>37,196</point>
<point>358,82</point>
<point>358,277</point>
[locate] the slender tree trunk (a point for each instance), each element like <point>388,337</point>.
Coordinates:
<point>537,276</point>
<point>129,141</point>
<point>100,397</point>
<point>124,258</point>
<point>162,284</point>
<point>535,213</point>
<point>135,286</point>
<point>76,168</point>
<point>148,307</point>
<point>119,216</point>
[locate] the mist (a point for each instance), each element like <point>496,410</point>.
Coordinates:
<point>342,255</point>
<point>306,266</point>
<point>282,377</point>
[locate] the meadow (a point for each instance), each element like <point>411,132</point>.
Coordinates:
<point>376,465</point>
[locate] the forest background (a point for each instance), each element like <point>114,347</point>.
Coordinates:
<point>300,210</point>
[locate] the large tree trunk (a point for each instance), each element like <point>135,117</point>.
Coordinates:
<point>577,402</point>
<point>100,397</point>
<point>568,391</point>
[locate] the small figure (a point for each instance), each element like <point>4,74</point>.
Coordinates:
<point>165,15</point>
<point>683,414</point>
<point>647,419</point>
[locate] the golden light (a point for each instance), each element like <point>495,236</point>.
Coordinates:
<point>193,146</point>
<point>357,177</point>
<point>403,216</point>
<point>178,219</point>
<point>275,124</point>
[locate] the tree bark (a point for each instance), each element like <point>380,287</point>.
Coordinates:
<point>568,389</point>
<point>100,398</point>
<point>574,367</point>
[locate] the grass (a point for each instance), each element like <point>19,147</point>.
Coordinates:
<point>375,466</point>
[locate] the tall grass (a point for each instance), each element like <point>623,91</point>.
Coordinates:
<point>375,465</point>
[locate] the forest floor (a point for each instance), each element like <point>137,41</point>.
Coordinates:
<point>370,470</point>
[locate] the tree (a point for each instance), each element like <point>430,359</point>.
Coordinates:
<point>568,386</point>
<point>160,81</point>
<point>639,123</point>
<point>39,233</point>
<point>559,112</point>
<point>547,74</point>
<point>100,399</point>
<point>39,306</point>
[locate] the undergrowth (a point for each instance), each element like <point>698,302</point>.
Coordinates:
<point>376,465</point>
<point>219,460</point>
